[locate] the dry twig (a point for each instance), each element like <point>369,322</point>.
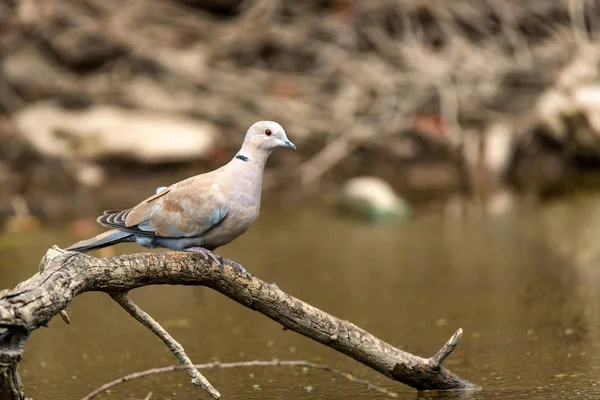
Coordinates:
<point>122,298</point>
<point>256,363</point>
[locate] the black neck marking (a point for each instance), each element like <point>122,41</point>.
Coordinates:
<point>242,157</point>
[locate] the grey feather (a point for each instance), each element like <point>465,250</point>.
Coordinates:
<point>105,239</point>
<point>217,216</point>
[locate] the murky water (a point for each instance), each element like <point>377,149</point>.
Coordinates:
<point>523,286</point>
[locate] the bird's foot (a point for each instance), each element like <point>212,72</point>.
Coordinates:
<point>207,254</point>
<point>219,260</point>
<point>239,269</point>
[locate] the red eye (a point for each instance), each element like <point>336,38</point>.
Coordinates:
<point>268,132</point>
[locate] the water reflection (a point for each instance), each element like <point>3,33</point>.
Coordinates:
<point>522,286</point>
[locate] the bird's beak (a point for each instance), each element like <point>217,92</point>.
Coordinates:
<point>289,144</point>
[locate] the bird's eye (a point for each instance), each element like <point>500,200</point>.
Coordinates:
<point>268,132</point>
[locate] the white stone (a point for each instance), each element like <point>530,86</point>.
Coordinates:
<point>102,131</point>
<point>372,197</point>
<point>374,190</point>
<point>587,99</point>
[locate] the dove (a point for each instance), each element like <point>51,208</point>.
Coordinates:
<point>201,213</point>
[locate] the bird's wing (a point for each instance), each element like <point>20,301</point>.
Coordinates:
<point>186,209</point>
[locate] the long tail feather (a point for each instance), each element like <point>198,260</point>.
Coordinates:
<point>105,239</point>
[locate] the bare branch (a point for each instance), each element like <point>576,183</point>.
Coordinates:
<point>65,317</point>
<point>256,363</point>
<point>64,275</point>
<point>437,360</point>
<point>122,298</point>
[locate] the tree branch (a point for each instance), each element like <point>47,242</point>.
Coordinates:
<point>439,357</point>
<point>64,275</point>
<point>142,317</point>
<point>255,363</point>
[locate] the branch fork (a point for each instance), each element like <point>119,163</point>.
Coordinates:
<point>439,357</point>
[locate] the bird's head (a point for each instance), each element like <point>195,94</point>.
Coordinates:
<point>267,135</point>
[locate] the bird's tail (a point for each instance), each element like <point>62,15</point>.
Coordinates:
<point>105,239</point>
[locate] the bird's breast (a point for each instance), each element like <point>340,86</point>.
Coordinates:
<point>239,218</point>
<point>245,208</point>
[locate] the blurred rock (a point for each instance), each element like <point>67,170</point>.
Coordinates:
<point>373,199</point>
<point>572,118</point>
<point>587,99</point>
<point>105,131</point>
<point>570,111</point>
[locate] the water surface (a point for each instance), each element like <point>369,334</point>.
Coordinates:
<point>523,287</point>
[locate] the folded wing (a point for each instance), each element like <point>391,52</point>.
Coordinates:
<point>187,209</point>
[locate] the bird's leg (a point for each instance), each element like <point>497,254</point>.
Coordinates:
<point>218,259</point>
<point>206,254</point>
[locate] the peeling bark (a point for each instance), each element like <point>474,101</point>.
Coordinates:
<point>64,275</point>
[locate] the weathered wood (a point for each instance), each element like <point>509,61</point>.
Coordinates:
<point>122,298</point>
<point>64,275</point>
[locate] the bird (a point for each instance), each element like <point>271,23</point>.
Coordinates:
<point>200,213</point>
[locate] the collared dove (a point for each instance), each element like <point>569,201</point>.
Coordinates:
<point>200,213</point>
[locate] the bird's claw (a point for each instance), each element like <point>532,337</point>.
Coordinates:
<point>207,254</point>
<point>219,260</point>
<point>239,269</point>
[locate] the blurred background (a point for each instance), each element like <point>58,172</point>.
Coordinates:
<point>461,140</point>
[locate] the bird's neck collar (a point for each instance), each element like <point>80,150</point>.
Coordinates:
<point>251,155</point>
<point>246,158</point>
<point>242,157</point>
